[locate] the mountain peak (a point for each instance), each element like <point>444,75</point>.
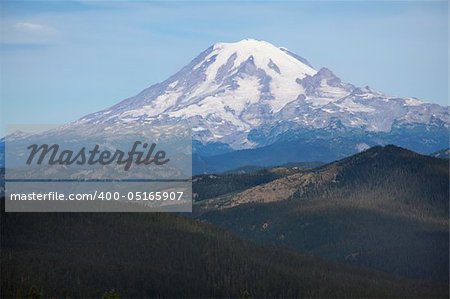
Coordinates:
<point>232,92</point>
<point>264,54</point>
<point>246,42</point>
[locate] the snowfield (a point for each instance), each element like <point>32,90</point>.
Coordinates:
<point>233,89</point>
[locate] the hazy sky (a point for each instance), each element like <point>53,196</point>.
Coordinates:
<point>60,61</point>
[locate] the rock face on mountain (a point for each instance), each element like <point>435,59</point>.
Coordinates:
<point>251,93</point>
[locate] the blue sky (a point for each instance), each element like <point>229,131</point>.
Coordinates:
<point>62,60</point>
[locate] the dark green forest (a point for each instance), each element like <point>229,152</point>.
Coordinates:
<point>385,209</point>
<point>143,255</point>
<point>371,225</point>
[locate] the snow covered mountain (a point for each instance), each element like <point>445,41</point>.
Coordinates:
<point>251,93</point>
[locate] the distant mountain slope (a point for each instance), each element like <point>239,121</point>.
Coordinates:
<point>385,208</point>
<point>148,255</point>
<point>316,145</point>
<point>278,153</point>
<point>443,154</point>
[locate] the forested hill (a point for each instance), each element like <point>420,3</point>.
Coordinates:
<point>62,255</point>
<point>380,174</point>
<point>385,208</point>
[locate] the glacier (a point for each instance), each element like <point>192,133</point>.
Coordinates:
<point>232,92</point>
